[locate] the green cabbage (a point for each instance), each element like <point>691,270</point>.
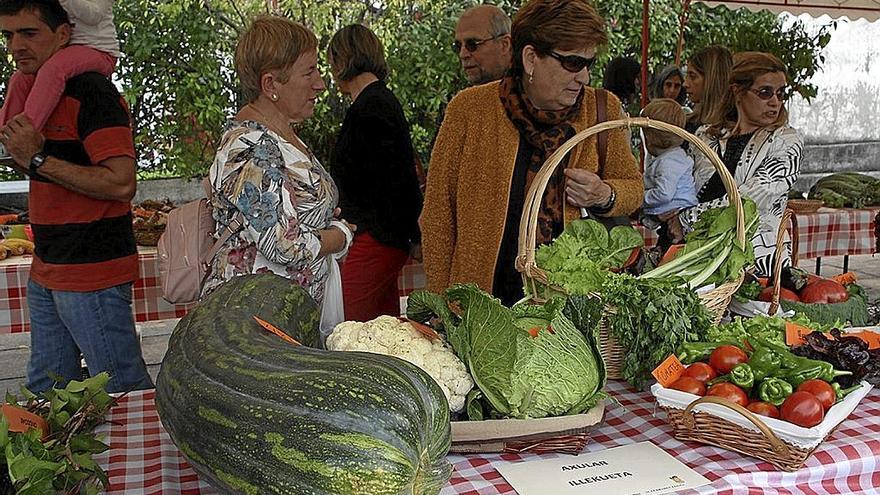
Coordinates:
<point>557,371</point>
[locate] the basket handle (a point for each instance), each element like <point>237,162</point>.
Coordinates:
<point>787,217</point>
<point>525,260</point>
<point>779,447</point>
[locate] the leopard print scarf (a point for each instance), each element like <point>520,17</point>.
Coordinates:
<point>545,131</point>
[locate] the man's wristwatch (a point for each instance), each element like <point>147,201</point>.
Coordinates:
<point>37,161</point>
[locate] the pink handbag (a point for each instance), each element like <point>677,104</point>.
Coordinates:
<point>188,247</point>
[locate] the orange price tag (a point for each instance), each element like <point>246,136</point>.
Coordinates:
<point>794,333</point>
<point>21,420</point>
<point>423,329</point>
<point>669,371</point>
<point>872,338</point>
<point>272,328</point>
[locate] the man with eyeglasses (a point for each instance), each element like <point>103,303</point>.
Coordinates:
<point>482,43</point>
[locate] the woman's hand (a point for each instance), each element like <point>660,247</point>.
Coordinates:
<point>585,189</point>
<point>334,239</point>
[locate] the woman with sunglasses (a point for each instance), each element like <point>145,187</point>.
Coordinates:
<point>750,133</point>
<point>494,139</point>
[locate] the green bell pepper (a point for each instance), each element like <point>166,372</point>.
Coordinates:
<point>742,376</point>
<point>765,363</point>
<point>774,390</point>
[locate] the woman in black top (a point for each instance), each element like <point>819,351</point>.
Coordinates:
<point>373,165</point>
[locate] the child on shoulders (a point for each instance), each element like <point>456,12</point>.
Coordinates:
<point>93,47</point>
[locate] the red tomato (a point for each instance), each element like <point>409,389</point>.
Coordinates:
<point>766,295</point>
<point>824,291</point>
<point>701,372</point>
<point>724,358</point>
<point>820,389</point>
<point>730,392</point>
<point>689,385</point>
<point>763,409</point>
<point>802,409</point>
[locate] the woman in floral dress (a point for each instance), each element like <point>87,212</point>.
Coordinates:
<point>265,172</point>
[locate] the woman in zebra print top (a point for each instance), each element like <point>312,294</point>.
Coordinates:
<point>763,153</point>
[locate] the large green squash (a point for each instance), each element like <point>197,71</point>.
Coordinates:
<point>255,414</point>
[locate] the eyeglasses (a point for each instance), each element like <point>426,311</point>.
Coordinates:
<point>574,63</point>
<point>766,92</point>
<point>471,43</point>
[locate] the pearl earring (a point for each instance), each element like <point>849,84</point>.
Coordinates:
<point>274,97</point>
<point>531,76</point>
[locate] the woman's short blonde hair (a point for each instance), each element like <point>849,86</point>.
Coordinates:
<point>355,50</point>
<point>664,110</point>
<point>747,66</point>
<point>548,25</point>
<point>270,44</point>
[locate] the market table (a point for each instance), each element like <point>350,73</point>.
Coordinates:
<point>834,232</point>
<point>143,459</point>
<point>147,302</point>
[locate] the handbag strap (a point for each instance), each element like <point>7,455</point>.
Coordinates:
<point>234,226</point>
<point>602,137</point>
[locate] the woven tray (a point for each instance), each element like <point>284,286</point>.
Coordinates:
<point>715,300</point>
<point>562,434</point>
<point>805,205</point>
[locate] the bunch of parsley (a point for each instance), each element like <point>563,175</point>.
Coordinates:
<point>651,318</point>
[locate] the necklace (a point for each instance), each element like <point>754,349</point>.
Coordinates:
<point>285,130</point>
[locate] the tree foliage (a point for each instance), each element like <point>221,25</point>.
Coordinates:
<point>178,77</point>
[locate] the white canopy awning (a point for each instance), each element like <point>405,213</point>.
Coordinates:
<point>853,9</point>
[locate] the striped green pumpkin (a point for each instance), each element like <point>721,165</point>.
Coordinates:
<point>254,414</point>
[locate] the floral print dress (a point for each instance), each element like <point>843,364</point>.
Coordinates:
<point>285,197</point>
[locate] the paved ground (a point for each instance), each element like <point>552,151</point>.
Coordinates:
<point>14,348</point>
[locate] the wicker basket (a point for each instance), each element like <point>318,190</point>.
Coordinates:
<point>561,434</point>
<point>716,300</point>
<point>730,426</point>
<point>776,283</point>
<point>805,205</point>
<point>707,428</point>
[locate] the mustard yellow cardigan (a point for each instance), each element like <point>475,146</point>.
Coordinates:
<point>469,182</point>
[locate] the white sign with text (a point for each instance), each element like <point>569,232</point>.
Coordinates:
<point>637,469</point>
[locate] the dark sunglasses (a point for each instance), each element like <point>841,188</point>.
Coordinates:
<point>471,43</point>
<point>574,63</point>
<point>766,92</point>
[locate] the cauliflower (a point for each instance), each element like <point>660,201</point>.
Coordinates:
<point>390,336</point>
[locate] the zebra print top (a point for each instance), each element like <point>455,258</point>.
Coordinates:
<point>285,196</point>
<point>767,169</point>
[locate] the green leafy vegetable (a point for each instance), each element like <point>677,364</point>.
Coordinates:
<point>528,361</point>
<point>590,239</point>
<point>854,310</point>
<point>652,318</point>
<point>711,254</point>
<point>62,462</point>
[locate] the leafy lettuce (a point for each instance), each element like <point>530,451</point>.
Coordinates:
<point>580,257</point>
<point>528,361</point>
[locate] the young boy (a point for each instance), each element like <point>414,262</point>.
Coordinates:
<point>669,180</point>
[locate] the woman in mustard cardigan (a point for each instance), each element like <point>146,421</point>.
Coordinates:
<point>494,139</point>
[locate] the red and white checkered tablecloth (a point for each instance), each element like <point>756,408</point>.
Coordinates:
<point>143,460</point>
<point>147,302</point>
<point>836,232</point>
